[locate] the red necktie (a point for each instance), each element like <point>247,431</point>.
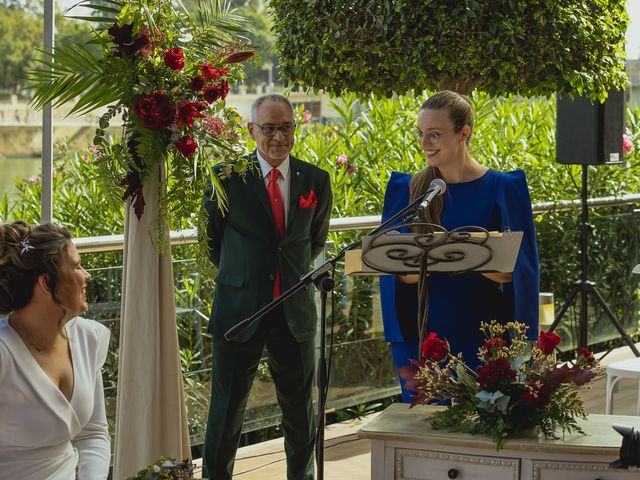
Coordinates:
<point>277,207</point>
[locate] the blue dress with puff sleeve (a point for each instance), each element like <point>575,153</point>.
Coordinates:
<point>459,303</point>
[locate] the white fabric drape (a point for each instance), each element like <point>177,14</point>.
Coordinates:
<point>151,418</point>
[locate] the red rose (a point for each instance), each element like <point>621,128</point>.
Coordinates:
<point>537,395</point>
<point>434,348</point>
<point>493,344</point>
<point>212,73</point>
<point>187,111</point>
<point>214,92</point>
<point>196,83</point>
<point>587,354</point>
<point>155,110</point>
<point>174,58</point>
<point>548,342</point>
<point>186,146</point>
<point>495,373</point>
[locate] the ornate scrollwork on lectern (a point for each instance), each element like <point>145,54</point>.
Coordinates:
<point>456,248</point>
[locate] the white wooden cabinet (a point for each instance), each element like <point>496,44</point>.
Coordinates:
<point>405,447</point>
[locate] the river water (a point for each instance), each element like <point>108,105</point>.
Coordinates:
<point>21,167</point>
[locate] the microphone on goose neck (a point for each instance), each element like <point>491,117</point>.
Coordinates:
<point>436,187</point>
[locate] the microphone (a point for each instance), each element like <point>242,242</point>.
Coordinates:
<point>437,187</point>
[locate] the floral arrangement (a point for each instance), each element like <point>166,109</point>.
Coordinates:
<point>164,73</point>
<point>166,469</point>
<point>515,389</point>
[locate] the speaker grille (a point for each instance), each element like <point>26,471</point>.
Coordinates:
<point>590,133</point>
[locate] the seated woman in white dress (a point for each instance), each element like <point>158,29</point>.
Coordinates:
<point>52,415</point>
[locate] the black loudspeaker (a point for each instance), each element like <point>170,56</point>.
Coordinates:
<point>590,133</point>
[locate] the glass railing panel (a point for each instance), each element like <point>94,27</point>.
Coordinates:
<point>361,368</point>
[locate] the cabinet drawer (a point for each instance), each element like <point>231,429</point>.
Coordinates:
<point>545,470</point>
<point>430,465</point>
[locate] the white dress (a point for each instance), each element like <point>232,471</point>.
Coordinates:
<point>42,435</point>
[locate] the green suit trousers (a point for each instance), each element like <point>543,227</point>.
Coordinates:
<point>233,370</point>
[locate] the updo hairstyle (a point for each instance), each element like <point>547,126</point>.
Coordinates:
<point>27,253</point>
<point>460,112</point>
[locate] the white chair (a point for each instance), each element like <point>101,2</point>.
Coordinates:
<point>617,370</point>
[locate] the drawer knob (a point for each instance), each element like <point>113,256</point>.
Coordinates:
<point>452,473</point>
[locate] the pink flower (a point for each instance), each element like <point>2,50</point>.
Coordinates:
<point>33,179</point>
<point>95,151</point>
<point>213,125</point>
<point>307,116</point>
<point>351,169</point>
<point>627,144</point>
<point>54,172</point>
<point>342,159</point>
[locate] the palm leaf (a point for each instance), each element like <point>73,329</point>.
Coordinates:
<point>219,14</point>
<point>107,7</point>
<point>73,71</point>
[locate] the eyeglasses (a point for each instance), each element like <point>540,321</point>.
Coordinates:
<point>269,129</point>
<point>432,137</point>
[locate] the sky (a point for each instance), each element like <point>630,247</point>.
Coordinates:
<point>633,33</point>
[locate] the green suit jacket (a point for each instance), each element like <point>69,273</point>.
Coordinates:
<point>245,247</point>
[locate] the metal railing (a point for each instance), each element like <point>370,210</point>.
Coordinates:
<point>112,243</point>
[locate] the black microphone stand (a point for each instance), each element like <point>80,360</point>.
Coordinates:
<point>319,276</point>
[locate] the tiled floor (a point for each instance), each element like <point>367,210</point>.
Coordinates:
<point>348,458</point>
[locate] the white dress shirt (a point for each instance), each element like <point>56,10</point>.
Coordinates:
<point>283,180</point>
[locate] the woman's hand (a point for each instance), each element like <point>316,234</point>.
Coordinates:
<point>499,277</point>
<point>410,278</point>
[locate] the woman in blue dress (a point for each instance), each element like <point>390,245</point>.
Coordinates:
<point>476,196</point>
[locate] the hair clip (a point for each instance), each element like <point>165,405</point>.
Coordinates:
<point>25,246</point>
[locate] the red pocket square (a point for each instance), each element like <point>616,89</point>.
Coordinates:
<point>308,201</point>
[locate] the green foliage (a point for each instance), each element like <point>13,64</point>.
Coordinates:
<point>79,200</point>
<point>498,46</point>
<point>262,38</point>
<point>21,37</point>
<point>20,34</point>
<point>375,137</point>
<point>563,413</point>
<point>165,72</point>
<point>510,394</point>
<point>358,411</point>
<point>165,469</point>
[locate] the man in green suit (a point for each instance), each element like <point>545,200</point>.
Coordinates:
<point>276,224</point>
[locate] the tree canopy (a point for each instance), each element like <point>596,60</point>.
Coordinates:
<point>21,35</point>
<point>526,47</point>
